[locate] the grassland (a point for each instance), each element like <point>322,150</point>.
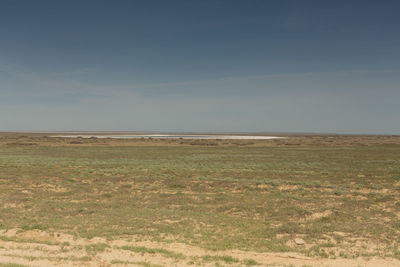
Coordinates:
<point>203,202</point>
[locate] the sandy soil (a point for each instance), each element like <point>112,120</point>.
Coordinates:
<point>38,248</point>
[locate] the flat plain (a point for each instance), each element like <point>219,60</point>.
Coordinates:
<point>307,200</point>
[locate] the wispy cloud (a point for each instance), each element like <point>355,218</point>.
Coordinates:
<point>57,82</point>
<point>283,101</point>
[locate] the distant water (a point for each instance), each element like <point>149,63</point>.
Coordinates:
<point>172,136</point>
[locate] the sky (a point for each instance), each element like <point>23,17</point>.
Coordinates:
<point>200,66</point>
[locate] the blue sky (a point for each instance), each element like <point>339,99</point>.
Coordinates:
<point>247,66</point>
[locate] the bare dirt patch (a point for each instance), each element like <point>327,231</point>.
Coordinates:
<point>39,248</point>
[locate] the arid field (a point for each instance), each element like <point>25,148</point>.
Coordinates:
<point>306,200</point>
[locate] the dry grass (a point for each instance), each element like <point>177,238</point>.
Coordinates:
<point>340,194</point>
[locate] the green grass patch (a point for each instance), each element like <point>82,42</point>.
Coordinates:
<point>12,265</point>
<point>227,259</point>
<point>164,252</point>
<point>98,247</point>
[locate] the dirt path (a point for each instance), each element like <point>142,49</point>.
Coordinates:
<point>38,248</point>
